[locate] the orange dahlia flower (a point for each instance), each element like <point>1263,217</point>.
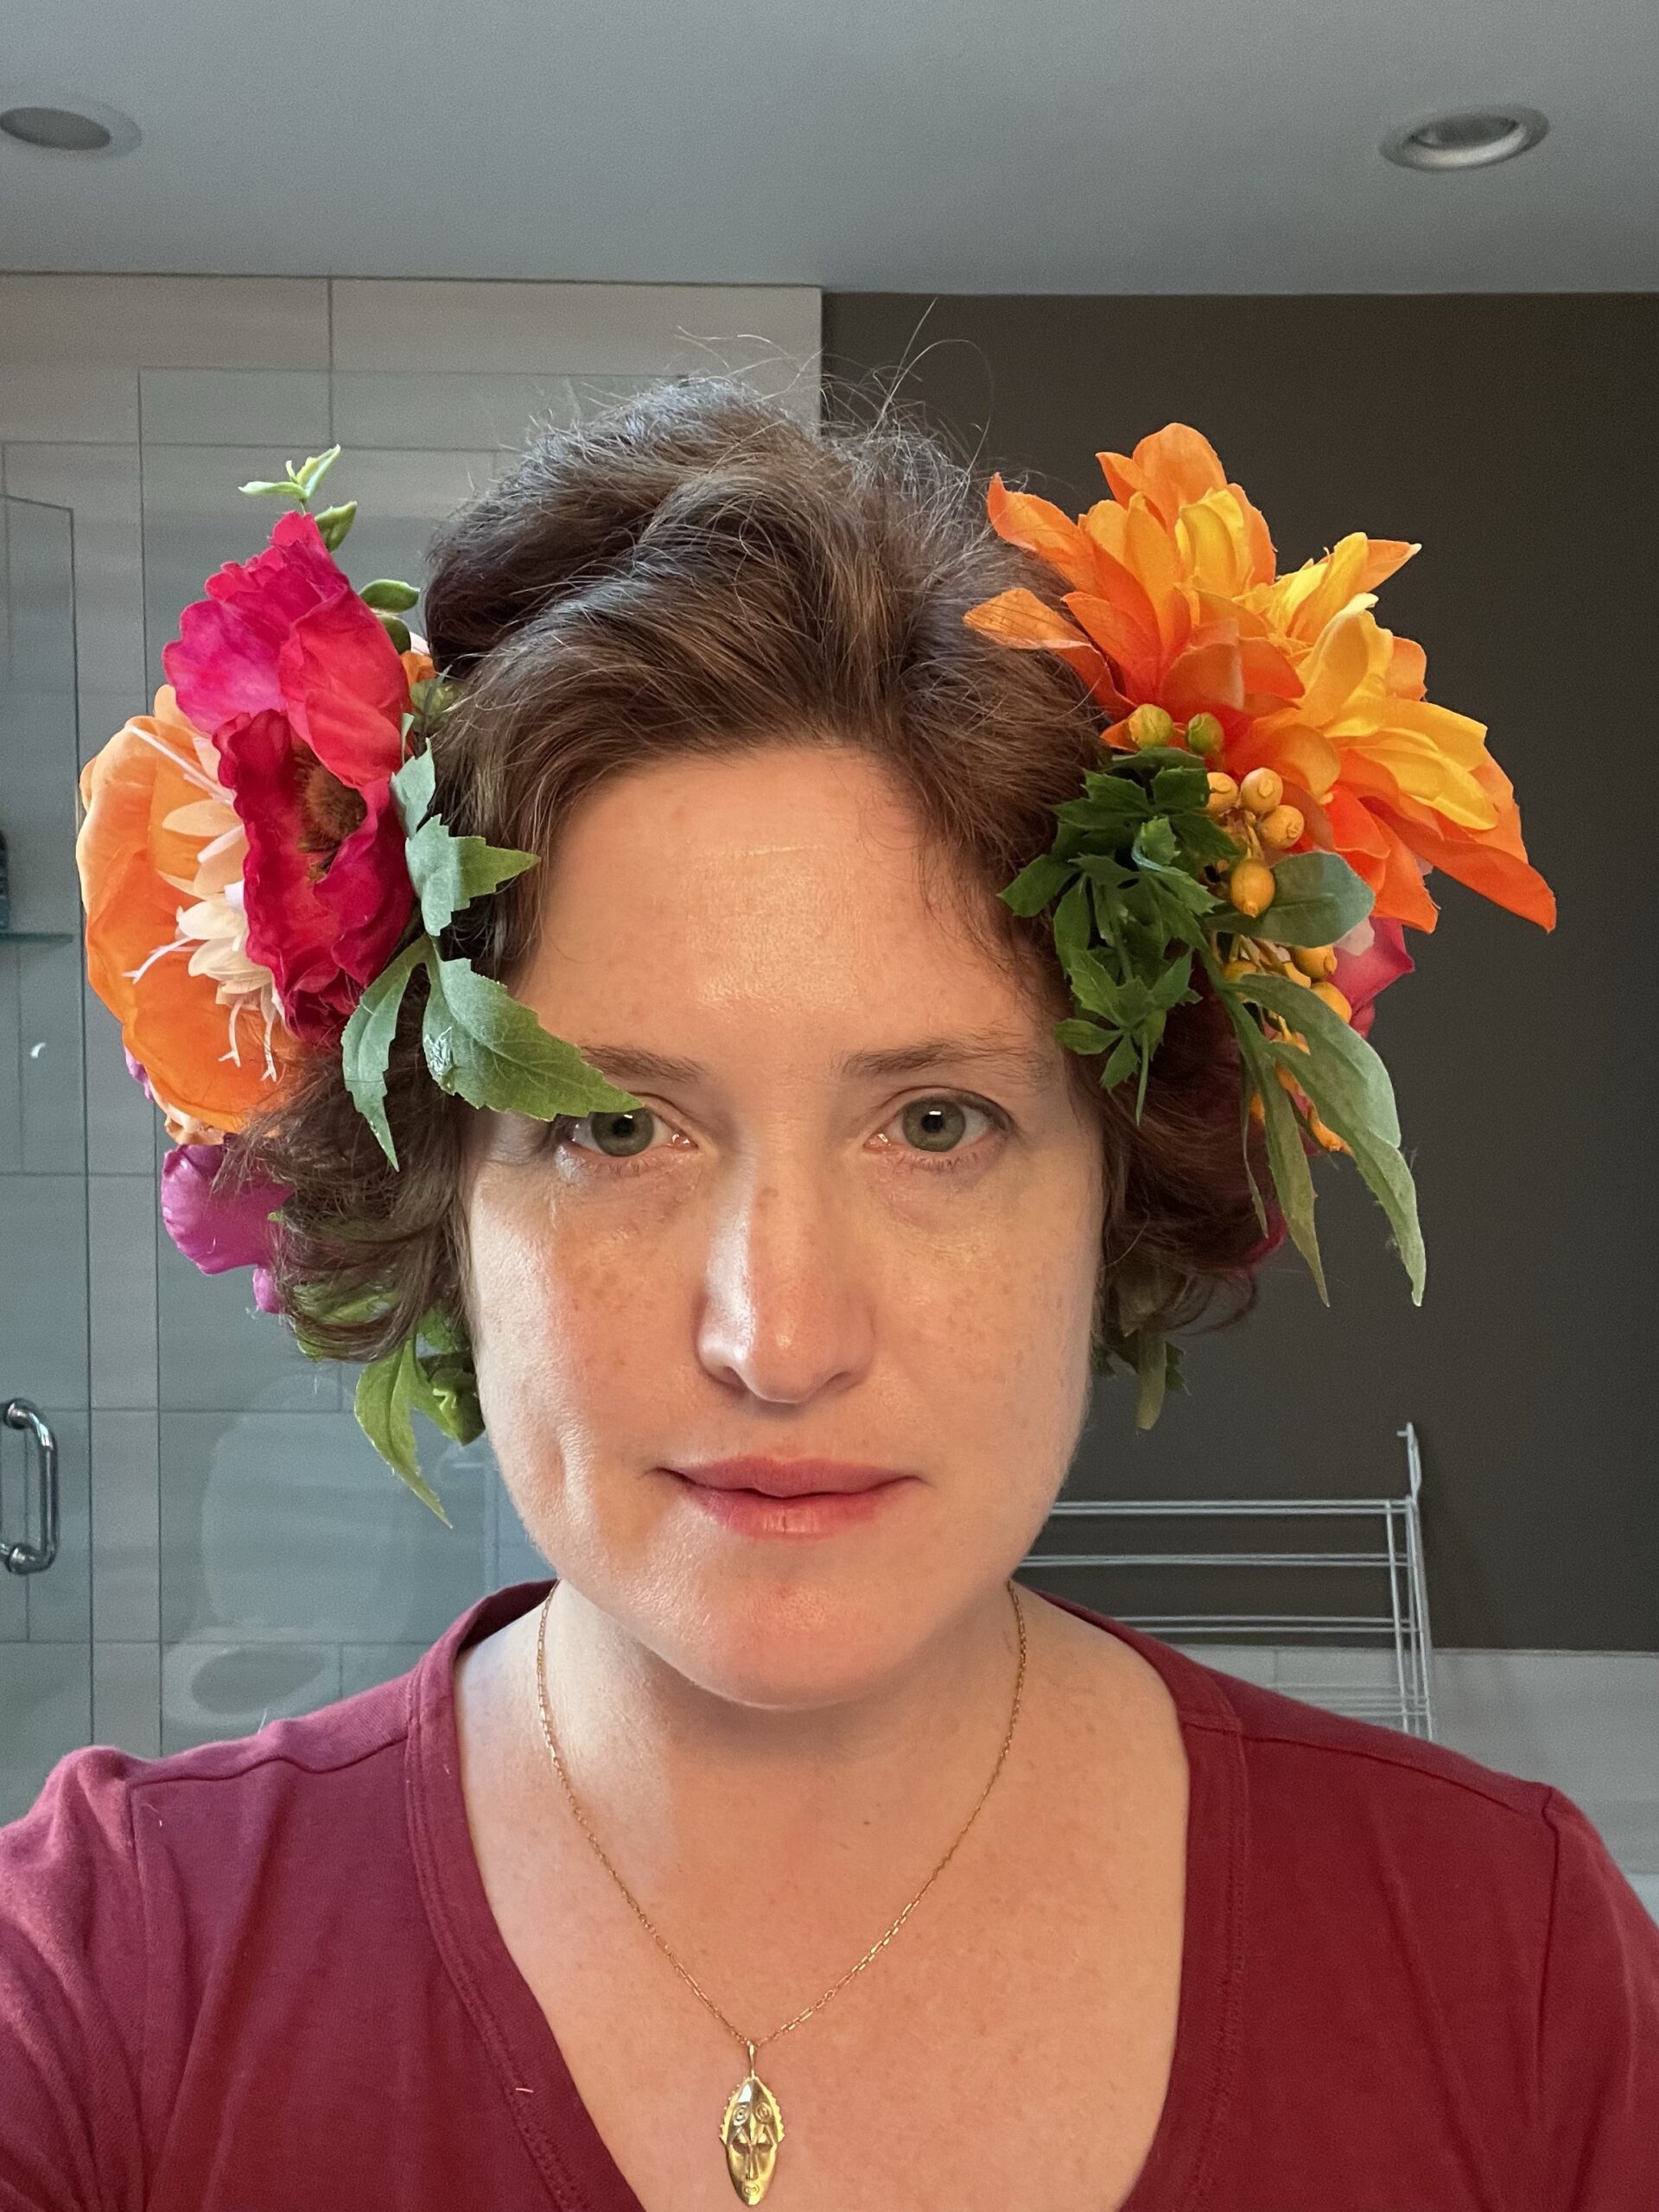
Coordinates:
<point>197,1013</point>
<point>1174,601</point>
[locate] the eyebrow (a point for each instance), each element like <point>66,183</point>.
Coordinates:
<point>995,1050</point>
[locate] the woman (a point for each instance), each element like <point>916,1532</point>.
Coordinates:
<point>782,1845</point>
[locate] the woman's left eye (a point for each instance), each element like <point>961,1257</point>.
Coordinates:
<point>932,1126</point>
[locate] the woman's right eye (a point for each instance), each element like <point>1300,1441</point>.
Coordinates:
<point>614,1138</point>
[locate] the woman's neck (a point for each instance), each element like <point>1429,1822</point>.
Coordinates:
<point>689,1788</point>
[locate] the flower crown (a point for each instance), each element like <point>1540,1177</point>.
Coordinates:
<point>1273,787</point>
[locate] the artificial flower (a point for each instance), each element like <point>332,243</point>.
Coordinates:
<point>197,1010</point>
<point>220,1229</point>
<point>1370,957</point>
<point>303,693</point>
<point>1174,602</point>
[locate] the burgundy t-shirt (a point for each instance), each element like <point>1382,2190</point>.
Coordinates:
<point>262,1975</point>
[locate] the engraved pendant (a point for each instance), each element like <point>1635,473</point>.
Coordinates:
<point>752,2130</point>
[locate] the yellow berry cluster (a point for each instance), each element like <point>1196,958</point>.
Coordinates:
<point>1253,812</point>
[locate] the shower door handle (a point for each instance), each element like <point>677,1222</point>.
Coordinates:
<point>25,1558</point>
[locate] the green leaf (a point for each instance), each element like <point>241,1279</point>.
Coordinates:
<point>450,872</point>
<point>386,592</point>
<point>287,490</point>
<point>412,788</point>
<point>1152,1376</point>
<point>312,472</point>
<point>1122,1065</point>
<point>1182,785</point>
<point>1093,987</point>
<point>485,1045</point>
<point>1347,1069</point>
<point>1154,843</point>
<point>1071,925</point>
<point>1390,1179</point>
<point>1035,885</point>
<point>396,629</point>
<point>386,1389</point>
<point>1082,1036</point>
<point>1202,840</point>
<point>1170,989</point>
<point>366,1045</point>
<point>1293,1178</point>
<point>332,527</point>
<point>1316,897</point>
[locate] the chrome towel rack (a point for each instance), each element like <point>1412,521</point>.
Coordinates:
<point>1399,1626</point>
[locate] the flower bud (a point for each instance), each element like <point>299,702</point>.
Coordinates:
<point>1334,998</point>
<point>1317,960</point>
<point>1258,1111</point>
<point>1149,725</point>
<point>1282,826</point>
<point>1250,886</point>
<point>1237,966</point>
<point>1204,735</point>
<point>1223,793</point>
<point>1262,790</point>
<point>1325,1136</point>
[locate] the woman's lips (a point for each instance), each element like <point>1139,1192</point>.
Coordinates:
<point>815,1513</point>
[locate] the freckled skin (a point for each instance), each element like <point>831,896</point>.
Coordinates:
<point>788,1268</point>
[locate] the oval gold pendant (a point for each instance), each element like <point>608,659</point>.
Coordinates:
<point>752,2130</point>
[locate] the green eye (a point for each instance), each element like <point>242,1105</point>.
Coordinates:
<point>619,1136</point>
<point>922,1119</point>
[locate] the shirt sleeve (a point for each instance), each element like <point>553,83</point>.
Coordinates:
<point>1599,2030</point>
<point>73,1981</point>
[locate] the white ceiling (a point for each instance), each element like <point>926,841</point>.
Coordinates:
<point>909,145</point>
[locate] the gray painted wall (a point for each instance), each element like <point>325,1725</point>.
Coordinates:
<point>1514,437</point>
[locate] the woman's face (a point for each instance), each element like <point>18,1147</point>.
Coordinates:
<point>795,1251</point>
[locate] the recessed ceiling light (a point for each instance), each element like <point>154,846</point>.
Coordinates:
<point>48,121</point>
<point>1466,138</point>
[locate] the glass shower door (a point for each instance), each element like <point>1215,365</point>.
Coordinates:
<point>45,1521</point>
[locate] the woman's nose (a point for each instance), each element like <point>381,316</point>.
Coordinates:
<point>786,1299</point>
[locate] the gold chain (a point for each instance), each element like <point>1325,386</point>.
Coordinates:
<point>752,2047</point>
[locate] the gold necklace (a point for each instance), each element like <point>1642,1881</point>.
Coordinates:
<point>753,2126</point>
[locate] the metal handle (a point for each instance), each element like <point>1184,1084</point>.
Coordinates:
<point>26,1558</point>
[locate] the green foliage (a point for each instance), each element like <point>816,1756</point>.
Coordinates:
<point>298,484</point>
<point>479,1041</point>
<point>1136,879</point>
<point>387,595</point>
<point>487,1046</point>
<point>439,1383</point>
<point>1316,897</point>
<point>449,872</point>
<point>366,1046</point>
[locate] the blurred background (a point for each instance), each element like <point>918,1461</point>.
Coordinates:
<point>1401,267</point>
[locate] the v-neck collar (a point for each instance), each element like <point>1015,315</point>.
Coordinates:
<point>558,2130</point>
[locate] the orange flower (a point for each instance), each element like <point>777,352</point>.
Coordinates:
<point>1174,601</point>
<point>196,1013</point>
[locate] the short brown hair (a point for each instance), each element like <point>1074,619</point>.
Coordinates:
<point>696,572</point>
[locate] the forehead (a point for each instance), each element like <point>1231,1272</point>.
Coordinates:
<point>783,885</point>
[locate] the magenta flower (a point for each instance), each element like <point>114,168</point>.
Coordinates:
<point>219,1231</point>
<point>1371,956</point>
<point>302,694</point>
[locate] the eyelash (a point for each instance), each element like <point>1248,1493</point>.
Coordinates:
<point>935,1164</point>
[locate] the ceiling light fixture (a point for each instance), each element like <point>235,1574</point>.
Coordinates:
<point>1465,138</point>
<point>48,121</point>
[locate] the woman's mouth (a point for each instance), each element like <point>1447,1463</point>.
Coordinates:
<point>812,1513</point>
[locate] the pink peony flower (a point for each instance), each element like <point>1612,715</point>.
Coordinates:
<point>219,1231</point>
<point>302,694</point>
<point>1371,956</point>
